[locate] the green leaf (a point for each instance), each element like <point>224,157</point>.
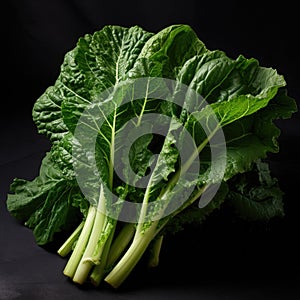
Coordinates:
<point>46,112</point>
<point>255,195</point>
<point>101,61</point>
<point>62,154</point>
<point>171,47</point>
<point>45,204</point>
<point>252,137</point>
<point>56,213</point>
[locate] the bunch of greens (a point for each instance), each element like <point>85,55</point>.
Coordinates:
<point>245,97</point>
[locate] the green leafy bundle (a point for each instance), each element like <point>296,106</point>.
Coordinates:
<point>245,98</point>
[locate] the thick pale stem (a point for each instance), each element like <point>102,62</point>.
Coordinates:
<point>77,253</point>
<point>155,252</point>
<point>99,270</point>
<point>121,271</point>
<point>132,256</point>
<point>120,243</point>
<point>87,260</point>
<point>67,246</point>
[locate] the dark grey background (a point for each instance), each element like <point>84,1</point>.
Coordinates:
<point>226,259</point>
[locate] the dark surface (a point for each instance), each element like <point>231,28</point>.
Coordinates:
<point>223,260</point>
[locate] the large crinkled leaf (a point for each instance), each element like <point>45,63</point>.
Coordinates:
<point>172,47</point>
<point>95,64</point>
<point>249,138</point>
<point>227,86</point>
<point>102,61</point>
<point>56,213</point>
<point>47,203</point>
<point>28,194</point>
<point>235,89</point>
<point>46,112</point>
<point>252,137</point>
<point>186,74</point>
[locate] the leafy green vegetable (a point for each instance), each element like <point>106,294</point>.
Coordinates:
<point>109,89</point>
<point>48,204</point>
